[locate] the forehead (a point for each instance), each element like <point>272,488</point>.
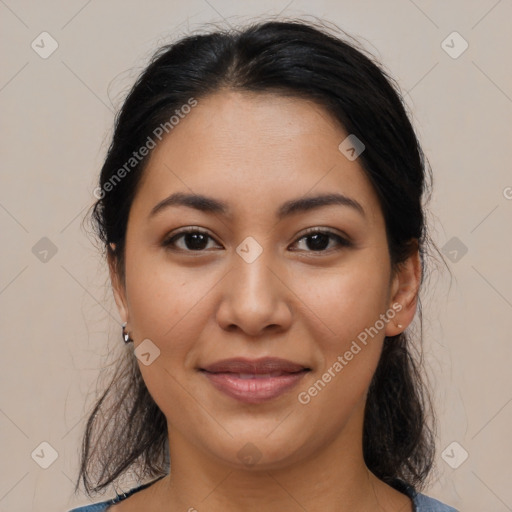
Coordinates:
<point>254,150</point>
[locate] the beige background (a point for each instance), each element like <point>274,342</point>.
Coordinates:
<point>58,321</point>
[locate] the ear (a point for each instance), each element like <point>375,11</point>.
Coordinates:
<point>118,287</point>
<point>404,292</point>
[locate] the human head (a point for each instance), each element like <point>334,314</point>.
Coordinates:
<point>294,60</point>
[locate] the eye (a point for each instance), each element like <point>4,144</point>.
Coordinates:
<point>188,240</point>
<point>319,240</point>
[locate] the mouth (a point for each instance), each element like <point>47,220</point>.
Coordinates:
<point>254,381</point>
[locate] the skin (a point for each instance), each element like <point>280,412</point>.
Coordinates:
<point>255,152</point>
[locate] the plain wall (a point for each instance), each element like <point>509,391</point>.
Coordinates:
<point>59,324</point>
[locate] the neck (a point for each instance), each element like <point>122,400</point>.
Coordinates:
<point>334,479</point>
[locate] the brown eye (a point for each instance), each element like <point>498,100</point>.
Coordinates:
<point>318,240</point>
<point>190,240</point>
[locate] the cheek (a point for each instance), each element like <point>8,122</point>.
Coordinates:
<point>161,296</point>
<point>348,303</point>
<point>168,306</point>
<point>345,301</point>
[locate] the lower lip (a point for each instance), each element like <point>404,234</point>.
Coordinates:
<point>254,391</point>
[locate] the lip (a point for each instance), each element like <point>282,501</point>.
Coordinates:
<point>254,381</point>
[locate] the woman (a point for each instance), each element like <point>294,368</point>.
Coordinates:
<point>261,210</point>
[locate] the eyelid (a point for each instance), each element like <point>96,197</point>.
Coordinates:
<point>189,229</point>
<point>320,229</point>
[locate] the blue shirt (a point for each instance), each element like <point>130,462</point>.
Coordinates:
<point>421,503</point>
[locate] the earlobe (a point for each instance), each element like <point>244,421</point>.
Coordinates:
<point>404,292</point>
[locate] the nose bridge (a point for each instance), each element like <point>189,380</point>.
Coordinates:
<point>254,297</point>
<point>253,278</point>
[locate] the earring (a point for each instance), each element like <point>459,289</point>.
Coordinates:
<point>126,335</point>
<point>400,326</point>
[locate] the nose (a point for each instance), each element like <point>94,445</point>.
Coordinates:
<point>255,300</point>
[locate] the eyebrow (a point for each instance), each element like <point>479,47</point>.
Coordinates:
<point>211,205</point>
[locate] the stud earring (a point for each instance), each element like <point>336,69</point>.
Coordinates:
<point>126,335</point>
<point>400,326</point>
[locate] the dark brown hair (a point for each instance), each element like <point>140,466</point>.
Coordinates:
<point>126,430</point>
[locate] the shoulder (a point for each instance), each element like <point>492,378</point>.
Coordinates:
<point>423,503</point>
<point>97,507</point>
<point>103,506</point>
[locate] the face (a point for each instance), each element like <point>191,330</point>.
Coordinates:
<point>264,273</point>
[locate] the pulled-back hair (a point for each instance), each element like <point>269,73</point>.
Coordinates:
<point>126,430</point>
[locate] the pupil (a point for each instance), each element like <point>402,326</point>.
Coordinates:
<point>195,241</point>
<point>319,241</point>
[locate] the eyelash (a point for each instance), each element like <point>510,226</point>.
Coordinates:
<point>169,243</point>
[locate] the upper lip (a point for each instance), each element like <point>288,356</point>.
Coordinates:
<point>263,365</point>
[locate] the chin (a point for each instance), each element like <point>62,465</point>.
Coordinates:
<point>259,451</point>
